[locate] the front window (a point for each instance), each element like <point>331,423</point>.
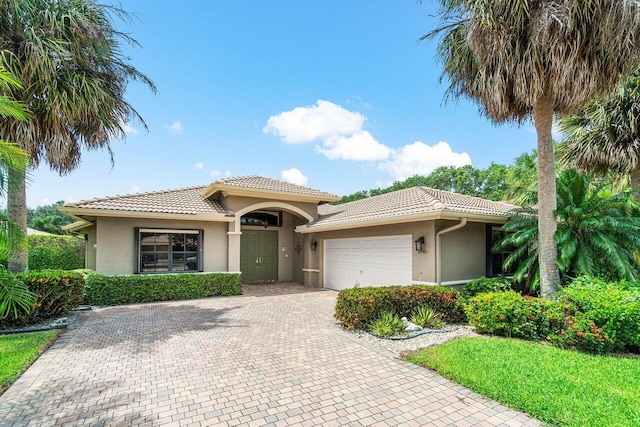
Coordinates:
<point>495,258</point>
<point>164,251</point>
<point>262,218</point>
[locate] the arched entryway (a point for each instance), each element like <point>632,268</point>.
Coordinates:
<point>263,242</point>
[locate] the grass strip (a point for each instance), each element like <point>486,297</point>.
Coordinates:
<point>559,387</point>
<point>19,351</point>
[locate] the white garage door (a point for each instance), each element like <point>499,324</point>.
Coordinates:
<point>371,261</point>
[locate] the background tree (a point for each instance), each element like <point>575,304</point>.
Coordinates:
<point>598,234</point>
<point>605,136</point>
<point>485,183</point>
<point>48,218</point>
<point>521,60</point>
<point>67,55</point>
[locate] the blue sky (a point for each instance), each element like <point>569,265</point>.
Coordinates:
<point>336,95</point>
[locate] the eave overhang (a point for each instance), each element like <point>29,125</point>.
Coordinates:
<point>401,219</point>
<point>232,190</point>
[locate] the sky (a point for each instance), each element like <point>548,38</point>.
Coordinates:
<point>332,94</point>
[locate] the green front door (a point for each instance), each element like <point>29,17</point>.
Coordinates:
<point>259,255</point>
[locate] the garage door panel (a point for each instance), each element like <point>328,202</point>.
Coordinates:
<point>375,261</point>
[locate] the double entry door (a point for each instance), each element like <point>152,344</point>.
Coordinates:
<point>259,255</point>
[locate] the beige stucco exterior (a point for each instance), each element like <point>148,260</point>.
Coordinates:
<point>111,247</point>
<point>464,251</point>
<point>115,243</point>
<point>454,250</point>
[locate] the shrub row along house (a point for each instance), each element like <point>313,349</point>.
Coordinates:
<point>270,230</point>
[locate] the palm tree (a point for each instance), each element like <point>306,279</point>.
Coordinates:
<point>605,136</point>
<point>521,60</point>
<point>67,55</point>
<point>522,180</point>
<point>13,293</point>
<point>598,234</point>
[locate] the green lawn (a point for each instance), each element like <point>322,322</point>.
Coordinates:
<point>19,351</point>
<point>556,386</point>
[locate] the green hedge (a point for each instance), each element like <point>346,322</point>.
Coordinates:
<point>357,307</point>
<point>590,315</point>
<point>512,315</point>
<point>56,252</point>
<point>56,291</point>
<point>484,285</point>
<point>612,307</point>
<point>115,290</point>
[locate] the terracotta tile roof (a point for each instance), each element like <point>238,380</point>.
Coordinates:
<point>411,201</point>
<point>270,184</point>
<point>186,201</point>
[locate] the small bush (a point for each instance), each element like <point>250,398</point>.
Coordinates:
<point>614,307</point>
<point>116,290</point>
<point>387,325</point>
<point>357,307</point>
<point>512,315</point>
<point>56,291</point>
<point>580,332</point>
<point>56,252</point>
<point>426,317</point>
<point>484,285</point>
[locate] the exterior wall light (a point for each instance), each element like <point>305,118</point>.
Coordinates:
<point>420,244</point>
<point>314,246</point>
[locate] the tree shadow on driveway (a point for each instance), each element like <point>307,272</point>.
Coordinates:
<point>144,325</point>
<point>68,401</point>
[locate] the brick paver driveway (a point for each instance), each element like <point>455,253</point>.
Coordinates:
<point>271,357</point>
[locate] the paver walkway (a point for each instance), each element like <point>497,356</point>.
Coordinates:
<point>271,357</point>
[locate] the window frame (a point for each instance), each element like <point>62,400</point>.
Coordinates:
<point>169,231</point>
<point>490,228</point>
<point>253,218</point>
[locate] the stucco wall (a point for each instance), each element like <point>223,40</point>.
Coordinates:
<point>90,250</point>
<point>463,251</point>
<point>115,240</point>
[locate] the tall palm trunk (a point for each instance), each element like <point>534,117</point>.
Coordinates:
<point>635,181</point>
<point>17,212</point>
<point>547,202</point>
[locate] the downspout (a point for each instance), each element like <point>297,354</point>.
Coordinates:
<point>461,224</point>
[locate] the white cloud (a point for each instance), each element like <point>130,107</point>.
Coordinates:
<point>361,146</point>
<point>294,176</point>
<point>215,173</point>
<point>198,166</point>
<point>44,201</point>
<point>422,159</point>
<point>306,124</point>
<point>129,129</point>
<point>175,127</point>
<point>135,188</point>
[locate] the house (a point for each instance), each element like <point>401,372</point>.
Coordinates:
<point>271,230</point>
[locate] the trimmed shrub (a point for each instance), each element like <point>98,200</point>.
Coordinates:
<point>484,285</point>
<point>57,292</point>
<point>56,252</point>
<point>613,307</point>
<point>580,332</point>
<point>512,315</point>
<point>358,307</point>
<point>116,290</point>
